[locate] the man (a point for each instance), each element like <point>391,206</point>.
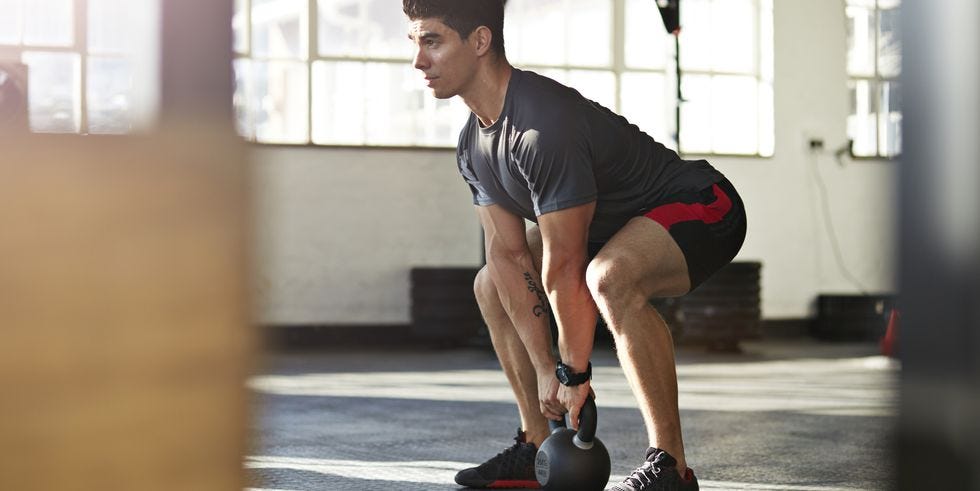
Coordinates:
<point>620,219</point>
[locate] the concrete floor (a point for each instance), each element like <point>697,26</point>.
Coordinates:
<point>787,415</point>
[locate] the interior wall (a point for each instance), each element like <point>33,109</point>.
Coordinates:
<point>339,229</point>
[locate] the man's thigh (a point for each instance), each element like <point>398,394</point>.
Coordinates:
<point>643,247</point>
<point>643,253</point>
<point>678,244</point>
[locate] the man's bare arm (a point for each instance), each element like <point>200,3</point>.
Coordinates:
<point>518,282</point>
<point>565,237</point>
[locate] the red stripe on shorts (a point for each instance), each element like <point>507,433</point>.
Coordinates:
<point>672,213</point>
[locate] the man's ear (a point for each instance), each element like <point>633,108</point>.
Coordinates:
<point>481,37</point>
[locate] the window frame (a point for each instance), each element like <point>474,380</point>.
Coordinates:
<point>79,46</point>
<point>876,79</point>
<point>143,111</point>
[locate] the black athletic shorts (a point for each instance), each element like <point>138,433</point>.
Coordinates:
<point>708,225</point>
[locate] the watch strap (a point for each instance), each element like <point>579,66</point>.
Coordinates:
<point>569,378</point>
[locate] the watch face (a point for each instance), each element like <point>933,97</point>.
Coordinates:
<point>567,377</point>
<point>562,374</point>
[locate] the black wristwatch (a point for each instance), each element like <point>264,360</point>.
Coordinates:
<point>569,378</point>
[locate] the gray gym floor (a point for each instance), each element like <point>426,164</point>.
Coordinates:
<point>786,415</point>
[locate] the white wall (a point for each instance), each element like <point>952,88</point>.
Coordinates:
<point>339,229</point>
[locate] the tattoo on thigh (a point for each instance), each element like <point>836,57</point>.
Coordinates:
<point>542,306</point>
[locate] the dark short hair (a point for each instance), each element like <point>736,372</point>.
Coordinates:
<point>463,16</point>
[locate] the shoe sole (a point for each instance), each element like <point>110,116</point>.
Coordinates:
<point>503,484</point>
<point>515,485</point>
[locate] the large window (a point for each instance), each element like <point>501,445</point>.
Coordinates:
<point>335,72</point>
<point>339,72</point>
<point>91,64</point>
<point>874,62</point>
<point>727,83</point>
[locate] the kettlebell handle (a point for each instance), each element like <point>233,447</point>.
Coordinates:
<point>587,421</point>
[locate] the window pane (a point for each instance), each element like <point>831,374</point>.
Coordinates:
<point>860,41</point>
<point>279,28</point>
<point>338,103</point>
<point>10,21</point>
<point>53,89</point>
<point>644,97</point>
<point>645,45</point>
<point>242,98</point>
<point>380,104</point>
<point>734,120</point>
<point>49,23</point>
<point>720,114</point>
<point>436,121</point>
<point>110,26</point>
<point>889,43</point>
<point>589,34</point>
<point>109,94</point>
<point>440,120</point>
<point>559,32</point>
<point>696,114</point>
<point>239,25</point>
<point>279,104</point>
<point>861,125</point>
<point>733,31</point>
<point>534,32</point>
<point>890,119</point>
<point>363,28</point>
<point>599,86</point>
<point>389,105</point>
<point>766,40</point>
<point>696,35</point>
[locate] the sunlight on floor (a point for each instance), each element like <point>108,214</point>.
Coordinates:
<point>864,386</point>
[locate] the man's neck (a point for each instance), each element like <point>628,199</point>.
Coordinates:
<point>486,97</point>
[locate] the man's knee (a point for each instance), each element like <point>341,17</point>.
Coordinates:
<point>484,288</point>
<point>612,283</point>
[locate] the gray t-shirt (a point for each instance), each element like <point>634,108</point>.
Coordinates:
<point>552,149</point>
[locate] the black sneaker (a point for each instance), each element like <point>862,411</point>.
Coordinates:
<point>512,468</point>
<point>658,473</point>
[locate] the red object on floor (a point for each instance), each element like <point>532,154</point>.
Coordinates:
<point>889,343</point>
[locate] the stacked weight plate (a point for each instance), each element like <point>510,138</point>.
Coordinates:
<point>723,310</point>
<point>444,309</point>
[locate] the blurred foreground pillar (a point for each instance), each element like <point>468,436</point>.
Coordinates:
<point>939,335</point>
<point>124,276</point>
<point>123,305</point>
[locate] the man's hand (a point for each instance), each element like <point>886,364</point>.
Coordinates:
<point>573,398</point>
<point>548,385</point>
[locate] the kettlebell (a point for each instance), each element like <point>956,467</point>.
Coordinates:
<point>573,461</point>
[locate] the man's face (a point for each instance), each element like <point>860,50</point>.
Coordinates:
<point>447,61</point>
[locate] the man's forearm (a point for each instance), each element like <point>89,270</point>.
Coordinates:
<point>575,313</point>
<point>523,297</point>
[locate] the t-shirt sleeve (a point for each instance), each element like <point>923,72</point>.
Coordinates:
<point>480,195</point>
<point>556,161</point>
<point>464,163</point>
